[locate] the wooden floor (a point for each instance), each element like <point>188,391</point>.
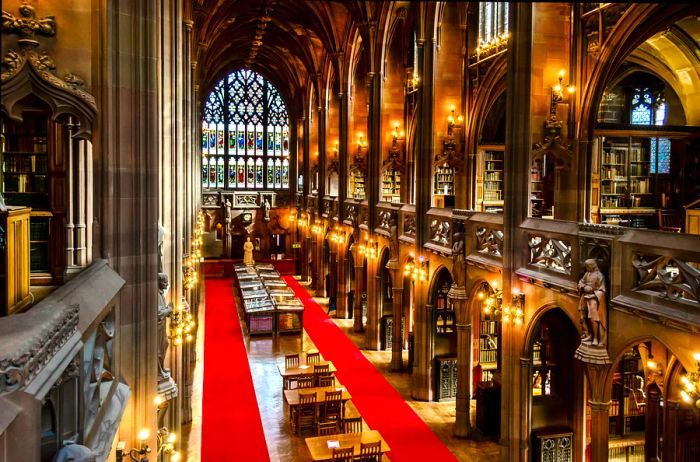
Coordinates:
<point>265,352</point>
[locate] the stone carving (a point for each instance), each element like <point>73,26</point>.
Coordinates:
<point>227,228</point>
<point>28,26</point>
<point>393,235</point>
<point>667,276</point>
<point>75,453</point>
<point>266,209</point>
<point>327,208</point>
<point>245,200</point>
<point>550,253</point>
<point>351,214</point>
<point>248,252</point>
<point>592,306</point>
<point>489,241</point>
<point>385,219</point>
<point>210,199</point>
<point>409,225</point>
<point>165,309</point>
<point>458,254</point>
<point>440,232</point>
<point>98,371</point>
<point>30,357</point>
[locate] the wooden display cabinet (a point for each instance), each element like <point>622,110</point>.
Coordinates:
<point>14,259</point>
<point>391,185</point>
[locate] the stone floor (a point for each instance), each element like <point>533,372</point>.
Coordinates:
<point>266,352</point>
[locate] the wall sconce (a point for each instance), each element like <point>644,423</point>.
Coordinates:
<point>691,384</point>
<point>361,143</point>
<point>136,455</point>
<point>303,220</point>
<point>181,323</point>
<point>189,274</point>
<point>396,134</point>
<point>493,45</point>
<point>558,93</point>
<point>292,215</point>
<point>412,83</point>
<point>417,268</point>
<point>369,248</point>
<point>337,236</point>
<point>317,228</point>
<point>493,303</point>
<point>453,121</point>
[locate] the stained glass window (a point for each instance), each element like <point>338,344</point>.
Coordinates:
<point>660,155</point>
<point>493,21</point>
<point>245,126</point>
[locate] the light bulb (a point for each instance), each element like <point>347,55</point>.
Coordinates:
<point>696,356</point>
<point>143,434</point>
<point>171,438</point>
<point>686,397</point>
<point>175,457</point>
<point>562,72</point>
<point>158,400</point>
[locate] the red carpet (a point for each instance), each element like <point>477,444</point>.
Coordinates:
<point>409,438</point>
<point>231,426</point>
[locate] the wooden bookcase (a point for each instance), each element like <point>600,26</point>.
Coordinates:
<point>489,342</point>
<point>391,185</point>
<point>492,178</point>
<point>14,259</point>
<point>628,403</point>
<point>444,311</point>
<point>444,186</point>
<point>357,185</point>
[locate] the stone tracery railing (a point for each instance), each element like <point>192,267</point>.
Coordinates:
<point>666,276</point>
<point>489,240</point>
<point>550,253</point>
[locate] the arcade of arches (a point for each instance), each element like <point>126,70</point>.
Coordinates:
<point>515,185</point>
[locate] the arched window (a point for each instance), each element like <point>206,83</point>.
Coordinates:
<point>493,21</point>
<point>245,135</point>
<point>650,109</point>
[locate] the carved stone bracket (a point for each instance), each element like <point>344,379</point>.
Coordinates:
<point>449,155</point>
<point>29,71</point>
<point>409,225</point>
<point>592,355</point>
<point>550,253</point>
<point>350,215</point>
<point>23,362</point>
<point>489,241</point>
<point>667,277</point>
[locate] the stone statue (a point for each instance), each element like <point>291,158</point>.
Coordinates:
<point>75,453</point>
<point>592,305</point>
<point>458,256</point>
<point>164,310</point>
<point>226,235</point>
<point>266,209</point>
<point>248,252</point>
<point>394,236</point>
<point>3,207</point>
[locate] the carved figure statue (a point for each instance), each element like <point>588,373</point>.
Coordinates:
<point>75,453</point>
<point>266,209</point>
<point>164,310</point>
<point>248,252</point>
<point>458,256</point>
<point>592,305</point>
<point>394,236</point>
<point>226,235</point>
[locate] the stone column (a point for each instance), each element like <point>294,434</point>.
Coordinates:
<point>397,316</point>
<point>671,430</point>
<point>651,423</point>
<point>458,296</point>
<point>340,287</point>
<point>422,377</point>
<point>332,290</point>
<point>357,325</point>
<point>599,430</point>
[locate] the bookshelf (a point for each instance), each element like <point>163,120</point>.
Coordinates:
<point>541,196</point>
<point>628,404</point>
<point>492,197</point>
<point>357,185</point>
<point>444,186</point>
<point>627,185</point>
<point>391,185</point>
<point>489,330</point>
<point>444,311</point>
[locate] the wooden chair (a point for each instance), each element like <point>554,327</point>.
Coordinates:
<point>305,381</point>
<point>352,425</point>
<point>344,454</point>
<point>321,370</point>
<point>306,413</point>
<point>291,361</point>
<point>313,357</point>
<point>327,428</point>
<point>326,381</point>
<point>332,407</point>
<point>670,220</point>
<point>370,452</point>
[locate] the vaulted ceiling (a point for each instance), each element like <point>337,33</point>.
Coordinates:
<point>290,42</point>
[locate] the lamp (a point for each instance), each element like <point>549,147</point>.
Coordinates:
<point>361,143</point>
<point>136,455</point>
<point>412,83</point>
<point>369,248</point>
<point>181,323</point>
<point>691,384</point>
<point>417,268</point>
<point>337,235</point>
<point>558,93</point>
<point>303,220</point>
<point>493,303</point>
<point>317,228</point>
<point>453,121</point>
<point>396,134</point>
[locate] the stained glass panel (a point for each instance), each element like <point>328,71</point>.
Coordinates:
<point>285,173</point>
<point>660,155</point>
<point>244,115</point>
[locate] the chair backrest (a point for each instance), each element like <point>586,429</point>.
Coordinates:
<point>307,397</point>
<point>322,369</point>
<point>291,361</point>
<point>670,220</point>
<point>313,357</point>
<point>344,454</point>
<point>370,451</point>
<point>352,425</point>
<point>334,396</point>
<point>327,428</point>
<point>326,381</point>
<point>305,381</point>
